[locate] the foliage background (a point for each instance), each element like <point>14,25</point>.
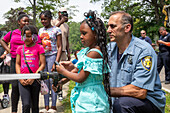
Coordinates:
<point>147,15</point>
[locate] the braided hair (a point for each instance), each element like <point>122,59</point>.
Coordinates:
<point>97,25</point>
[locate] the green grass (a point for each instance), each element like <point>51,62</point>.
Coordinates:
<point>66,101</point>
<point>1,88</point>
<point>167,107</point>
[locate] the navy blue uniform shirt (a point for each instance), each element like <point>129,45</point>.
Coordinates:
<point>162,47</point>
<point>147,39</point>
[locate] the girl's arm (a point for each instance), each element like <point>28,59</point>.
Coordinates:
<point>5,45</point>
<point>73,75</point>
<point>5,53</point>
<point>64,80</point>
<point>77,77</point>
<point>59,46</point>
<point>67,65</point>
<point>18,64</point>
<point>18,69</point>
<point>60,83</point>
<point>42,63</point>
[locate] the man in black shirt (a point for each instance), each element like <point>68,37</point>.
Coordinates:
<point>164,53</point>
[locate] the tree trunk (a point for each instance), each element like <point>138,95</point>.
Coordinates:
<point>34,12</point>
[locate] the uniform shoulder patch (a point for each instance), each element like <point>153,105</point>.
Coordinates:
<point>147,62</point>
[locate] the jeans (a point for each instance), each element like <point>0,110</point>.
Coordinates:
<point>49,64</point>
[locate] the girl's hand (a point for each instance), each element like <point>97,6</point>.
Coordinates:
<point>30,81</point>
<point>68,65</point>
<point>3,56</point>
<point>60,69</point>
<point>23,82</point>
<point>56,87</point>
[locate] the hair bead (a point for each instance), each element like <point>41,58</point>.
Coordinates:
<point>92,28</point>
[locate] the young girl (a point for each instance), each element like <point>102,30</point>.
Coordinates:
<point>89,94</point>
<point>34,53</point>
<point>52,43</point>
<point>14,37</point>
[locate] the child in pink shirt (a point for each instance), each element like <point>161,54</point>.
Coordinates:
<point>14,37</point>
<point>34,53</point>
<point>15,41</point>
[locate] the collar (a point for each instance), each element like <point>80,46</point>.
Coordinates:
<point>130,49</point>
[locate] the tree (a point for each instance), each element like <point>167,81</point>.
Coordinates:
<point>74,36</point>
<point>12,16</point>
<point>147,14</point>
<point>33,8</point>
<point>36,6</point>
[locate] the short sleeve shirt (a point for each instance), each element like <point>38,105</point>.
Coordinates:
<point>15,41</point>
<point>49,39</point>
<point>32,57</point>
<point>163,47</point>
<point>147,39</point>
<point>137,66</point>
<point>65,32</point>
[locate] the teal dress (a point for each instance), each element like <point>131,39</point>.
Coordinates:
<point>90,96</point>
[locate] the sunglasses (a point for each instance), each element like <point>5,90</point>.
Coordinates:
<point>142,33</point>
<point>34,37</point>
<point>64,13</point>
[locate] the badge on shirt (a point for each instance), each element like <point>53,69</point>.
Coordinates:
<point>147,62</point>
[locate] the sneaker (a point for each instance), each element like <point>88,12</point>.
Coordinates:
<point>60,96</point>
<point>43,111</point>
<point>51,111</point>
<point>6,96</point>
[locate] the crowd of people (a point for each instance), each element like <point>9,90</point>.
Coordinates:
<point>42,59</point>
<point>120,76</point>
